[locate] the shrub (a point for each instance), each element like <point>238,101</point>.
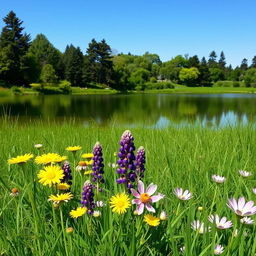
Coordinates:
<point>236,84</point>
<point>159,85</point>
<point>65,86</point>
<point>224,84</point>
<point>153,80</point>
<point>16,90</point>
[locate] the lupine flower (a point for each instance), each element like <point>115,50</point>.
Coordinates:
<point>88,197</point>
<point>80,211</point>
<point>245,173</point>
<point>145,198</point>
<point>57,199</point>
<point>200,227</point>
<point>186,195</point>
<point>38,146</point>
<point>163,215</point>
<point>126,164</point>
<point>241,208</point>
<point>254,190</point>
<point>140,160</point>
<point>20,159</point>
<point>218,179</point>
<point>97,166</point>
<point>247,221</point>
<point>218,250</point>
<point>50,175</point>
<point>220,223</point>
<point>73,148</point>
<point>67,173</point>
<point>151,220</point>
<point>120,203</point>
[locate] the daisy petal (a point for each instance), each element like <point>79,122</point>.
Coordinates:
<point>150,208</point>
<point>156,198</point>
<point>140,209</point>
<point>135,193</point>
<point>141,187</point>
<point>151,189</point>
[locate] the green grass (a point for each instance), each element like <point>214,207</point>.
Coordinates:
<point>184,157</point>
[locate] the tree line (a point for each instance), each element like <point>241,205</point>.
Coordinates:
<point>24,61</point>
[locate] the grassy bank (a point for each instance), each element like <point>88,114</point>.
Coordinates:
<point>185,157</point>
<point>179,89</point>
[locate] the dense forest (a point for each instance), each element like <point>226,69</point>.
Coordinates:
<point>38,63</point>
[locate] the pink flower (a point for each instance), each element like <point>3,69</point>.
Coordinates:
<point>145,198</point>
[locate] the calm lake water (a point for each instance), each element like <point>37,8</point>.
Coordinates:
<point>147,110</point>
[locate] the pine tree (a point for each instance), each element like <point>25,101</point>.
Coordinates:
<point>212,60</point>
<point>73,63</point>
<point>13,47</point>
<point>253,62</point>
<point>244,64</point>
<point>222,60</point>
<point>204,76</point>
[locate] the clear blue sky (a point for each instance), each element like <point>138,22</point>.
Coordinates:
<point>165,27</point>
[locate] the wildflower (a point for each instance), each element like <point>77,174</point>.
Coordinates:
<point>88,197</point>
<point>115,154</point>
<point>80,211</point>
<point>151,220</point>
<point>87,155</point>
<point>182,249</point>
<point>50,175</point>
<point>38,146</point>
<point>247,221</point>
<point>236,233</point>
<point>241,208</point>
<point>100,204</point>
<point>20,159</point>
<point>145,198</point>
<point>14,192</point>
<point>186,195</point>
<point>200,227</point>
<point>57,199</point>
<point>218,179</point>
<point>97,166</point>
<point>140,160</point>
<point>245,173</point>
<point>82,166</point>
<point>126,164</point>
<point>88,172</point>
<point>135,212</point>
<point>120,203</point>
<point>254,190</point>
<point>112,165</point>
<point>163,215</point>
<point>218,250</point>
<point>200,208</point>
<point>220,223</point>
<point>73,148</point>
<point>67,173</point>
<point>69,230</point>
<point>63,186</point>
<point>96,214</point>
<point>50,158</point>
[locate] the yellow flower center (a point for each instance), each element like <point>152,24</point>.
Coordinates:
<point>145,198</point>
<point>51,175</point>
<point>120,204</point>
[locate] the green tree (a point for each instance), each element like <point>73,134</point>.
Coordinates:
<point>204,76</point>
<point>189,75</point>
<point>13,46</point>
<point>45,53</point>
<point>216,74</point>
<point>253,62</point>
<point>139,77</point>
<point>48,75</point>
<point>222,60</point>
<point>244,64</point>
<point>212,63</point>
<point>250,77</point>
<point>73,62</point>
<point>193,62</point>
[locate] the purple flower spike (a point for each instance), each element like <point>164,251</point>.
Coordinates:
<point>88,197</point>
<point>126,160</point>
<point>140,162</point>
<point>67,173</point>
<point>97,166</point>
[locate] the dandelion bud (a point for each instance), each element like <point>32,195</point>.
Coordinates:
<point>96,214</point>
<point>200,208</point>
<point>135,212</point>
<point>163,215</point>
<point>38,146</point>
<point>69,230</point>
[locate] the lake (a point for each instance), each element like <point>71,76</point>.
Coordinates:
<point>138,110</point>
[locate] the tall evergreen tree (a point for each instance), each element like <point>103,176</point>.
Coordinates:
<point>222,60</point>
<point>98,63</point>
<point>212,63</point>
<point>13,46</point>
<point>204,76</point>
<point>244,64</point>
<point>73,62</point>
<point>253,62</point>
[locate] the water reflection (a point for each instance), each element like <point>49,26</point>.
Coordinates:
<point>148,110</point>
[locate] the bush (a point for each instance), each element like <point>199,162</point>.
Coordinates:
<point>223,84</point>
<point>236,84</point>
<point>16,90</point>
<point>65,86</point>
<point>36,86</point>
<point>159,85</point>
<point>153,80</point>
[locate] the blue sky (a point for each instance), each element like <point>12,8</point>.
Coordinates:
<point>165,27</point>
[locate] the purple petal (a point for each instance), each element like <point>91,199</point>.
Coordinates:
<point>151,189</point>
<point>156,198</point>
<point>150,208</point>
<point>136,201</point>
<point>241,203</point>
<point>140,187</point>
<point>135,193</point>
<point>140,208</point>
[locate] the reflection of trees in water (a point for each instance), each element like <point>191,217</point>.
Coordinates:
<point>133,109</point>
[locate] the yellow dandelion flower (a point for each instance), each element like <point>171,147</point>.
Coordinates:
<point>151,220</point>
<point>120,203</point>
<point>73,148</point>
<point>63,186</point>
<point>89,162</point>
<point>57,199</point>
<point>88,172</point>
<point>51,174</point>
<point>50,158</point>
<point>87,155</point>
<point>80,211</point>
<point>20,159</point>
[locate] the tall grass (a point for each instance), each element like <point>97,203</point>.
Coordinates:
<point>184,157</point>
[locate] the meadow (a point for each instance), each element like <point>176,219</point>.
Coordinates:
<point>186,158</point>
